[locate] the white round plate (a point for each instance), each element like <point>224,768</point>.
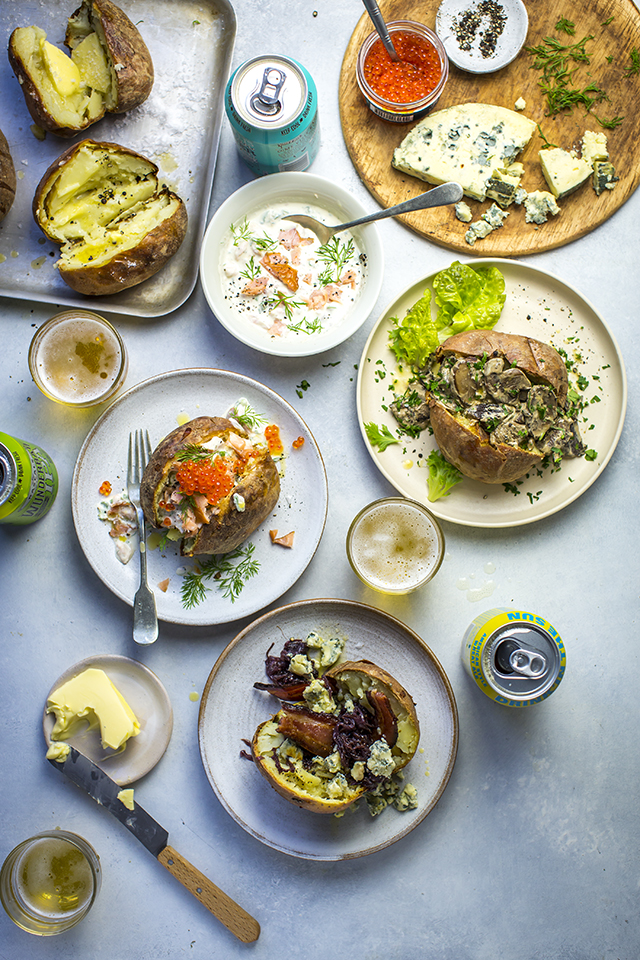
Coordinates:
<point>294,191</point>
<point>231,710</point>
<point>538,305</point>
<point>150,702</point>
<point>159,405</point>
<point>465,48</point>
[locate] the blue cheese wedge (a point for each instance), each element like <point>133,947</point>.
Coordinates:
<point>466,143</point>
<point>563,171</point>
<point>604,176</point>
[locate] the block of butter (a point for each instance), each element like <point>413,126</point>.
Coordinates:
<point>91,698</point>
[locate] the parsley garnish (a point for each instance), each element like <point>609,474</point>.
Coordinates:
<point>380,437</point>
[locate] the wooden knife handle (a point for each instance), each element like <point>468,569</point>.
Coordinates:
<point>237,920</point>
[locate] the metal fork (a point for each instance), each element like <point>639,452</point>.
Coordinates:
<point>145,617</point>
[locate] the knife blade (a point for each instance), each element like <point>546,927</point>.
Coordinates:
<point>86,774</point>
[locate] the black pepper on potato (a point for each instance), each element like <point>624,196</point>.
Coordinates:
<point>340,734</point>
<point>109,69</point>
<point>7,177</point>
<point>116,226</point>
<point>497,403</point>
<point>211,484</point>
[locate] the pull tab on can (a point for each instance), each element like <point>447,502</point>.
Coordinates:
<point>267,100</point>
<point>512,657</point>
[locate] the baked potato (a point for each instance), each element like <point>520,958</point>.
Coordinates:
<point>211,483</point>
<point>7,177</point>
<point>497,404</point>
<point>342,734</point>
<point>109,70</point>
<point>114,222</point>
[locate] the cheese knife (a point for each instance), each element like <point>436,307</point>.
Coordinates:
<point>86,774</point>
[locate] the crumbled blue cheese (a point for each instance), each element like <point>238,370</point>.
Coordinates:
<point>301,666</point>
<point>520,103</point>
<point>494,216</point>
<point>319,698</point>
<point>408,799</point>
<point>520,196</point>
<point>604,176</point>
<point>357,770</point>
<point>380,761</point>
<point>329,651</point>
<point>338,787</point>
<point>538,205</point>
<point>594,147</point>
<point>466,143</point>
<point>463,212</point>
<point>477,231</point>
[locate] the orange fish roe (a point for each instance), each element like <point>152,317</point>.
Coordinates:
<point>105,489</point>
<point>298,443</point>
<point>208,477</point>
<point>272,436</point>
<point>412,78</point>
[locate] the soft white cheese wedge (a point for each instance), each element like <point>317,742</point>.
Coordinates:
<point>466,143</point>
<point>594,147</point>
<point>91,698</point>
<point>563,171</point>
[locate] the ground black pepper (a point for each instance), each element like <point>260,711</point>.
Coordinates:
<point>489,15</point>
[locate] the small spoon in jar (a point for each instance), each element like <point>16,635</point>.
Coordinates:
<point>438,197</point>
<point>381,28</point>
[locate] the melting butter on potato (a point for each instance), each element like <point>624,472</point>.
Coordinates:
<point>109,69</point>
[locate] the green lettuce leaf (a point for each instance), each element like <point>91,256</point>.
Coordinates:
<point>470,298</point>
<point>413,339</point>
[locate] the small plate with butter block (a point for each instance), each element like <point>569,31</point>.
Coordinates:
<point>115,711</point>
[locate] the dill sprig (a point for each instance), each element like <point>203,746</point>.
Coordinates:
<point>559,63</point>
<point>288,303</point>
<point>252,270</point>
<point>632,70</point>
<point>336,255</point>
<point>306,326</point>
<point>193,452</point>
<point>230,570</point>
<point>247,416</point>
<point>566,26</point>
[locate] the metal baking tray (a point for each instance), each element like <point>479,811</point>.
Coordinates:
<point>178,127</point>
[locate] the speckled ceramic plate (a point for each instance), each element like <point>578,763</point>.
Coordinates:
<point>150,702</point>
<point>538,305</point>
<point>231,710</point>
<point>159,405</point>
<point>482,36</point>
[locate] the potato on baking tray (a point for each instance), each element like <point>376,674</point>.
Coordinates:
<point>109,70</point>
<point>7,177</point>
<point>498,404</point>
<point>211,483</point>
<point>116,225</point>
<point>339,734</point>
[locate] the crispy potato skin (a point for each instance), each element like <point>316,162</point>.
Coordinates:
<point>133,266</point>
<point>464,442</point>
<point>125,268</point>
<point>400,702</point>
<point>32,98</point>
<point>127,49</point>
<point>7,177</point>
<point>260,488</point>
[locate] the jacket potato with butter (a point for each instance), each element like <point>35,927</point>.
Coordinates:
<point>109,70</point>
<point>211,484</point>
<point>339,734</point>
<point>498,405</point>
<point>116,226</point>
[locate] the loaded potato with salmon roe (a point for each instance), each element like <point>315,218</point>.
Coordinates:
<point>210,483</point>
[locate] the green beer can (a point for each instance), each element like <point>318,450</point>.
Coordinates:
<point>28,481</point>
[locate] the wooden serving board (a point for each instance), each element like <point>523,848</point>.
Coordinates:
<point>371,141</point>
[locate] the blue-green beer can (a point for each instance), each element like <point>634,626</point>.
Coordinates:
<point>272,106</point>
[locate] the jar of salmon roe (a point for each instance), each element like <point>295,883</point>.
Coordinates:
<point>406,90</point>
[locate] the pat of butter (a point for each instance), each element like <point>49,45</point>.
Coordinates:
<point>126,798</point>
<point>92,698</point>
<point>58,751</point>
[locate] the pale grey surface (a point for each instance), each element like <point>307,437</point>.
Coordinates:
<point>532,852</point>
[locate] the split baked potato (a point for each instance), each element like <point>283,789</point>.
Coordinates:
<point>7,177</point>
<point>109,70</point>
<point>497,404</point>
<point>338,735</point>
<point>209,482</point>
<point>116,225</point>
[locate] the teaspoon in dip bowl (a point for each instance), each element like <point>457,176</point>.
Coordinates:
<point>440,196</point>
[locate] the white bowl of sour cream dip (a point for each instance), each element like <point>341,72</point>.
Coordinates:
<point>272,284</point>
